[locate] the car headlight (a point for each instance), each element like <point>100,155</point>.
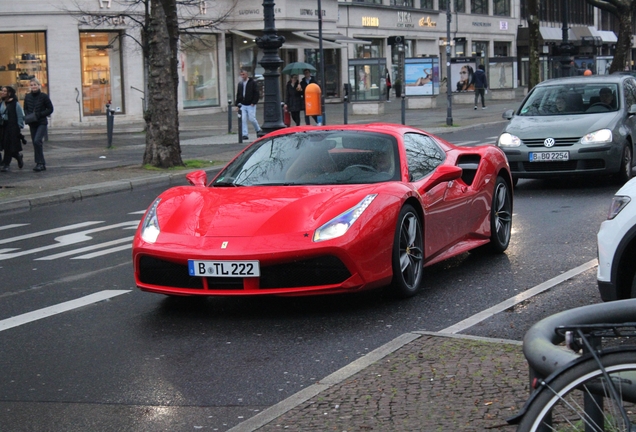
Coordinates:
<point>618,204</point>
<point>603,135</point>
<point>508,140</point>
<point>150,226</point>
<point>339,225</point>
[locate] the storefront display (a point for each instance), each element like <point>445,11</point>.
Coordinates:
<point>199,70</point>
<point>421,76</point>
<point>101,72</point>
<point>23,57</point>
<point>366,77</point>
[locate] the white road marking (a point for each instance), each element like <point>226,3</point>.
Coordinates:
<point>51,231</point>
<point>68,239</point>
<point>106,251</point>
<point>59,308</point>
<point>506,304</point>
<point>5,227</point>
<point>137,212</point>
<point>86,249</point>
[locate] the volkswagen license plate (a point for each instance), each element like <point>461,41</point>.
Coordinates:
<point>224,268</point>
<point>549,156</point>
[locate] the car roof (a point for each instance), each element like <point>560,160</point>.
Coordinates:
<point>594,79</point>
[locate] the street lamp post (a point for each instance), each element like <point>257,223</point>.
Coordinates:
<point>449,96</point>
<point>322,66</point>
<point>566,49</point>
<point>270,42</point>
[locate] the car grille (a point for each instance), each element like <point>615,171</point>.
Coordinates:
<point>558,142</point>
<point>573,165</point>
<point>326,270</point>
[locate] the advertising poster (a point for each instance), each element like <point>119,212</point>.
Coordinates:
<point>501,74</point>
<point>421,76</point>
<point>462,71</point>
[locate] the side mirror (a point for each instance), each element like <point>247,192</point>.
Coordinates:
<point>443,174</point>
<point>197,178</point>
<point>508,114</point>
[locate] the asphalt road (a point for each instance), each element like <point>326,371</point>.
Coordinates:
<point>139,361</point>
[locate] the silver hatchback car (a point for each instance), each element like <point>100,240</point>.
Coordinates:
<point>573,126</point>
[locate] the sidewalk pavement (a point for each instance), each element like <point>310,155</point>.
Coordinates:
<point>418,382</point>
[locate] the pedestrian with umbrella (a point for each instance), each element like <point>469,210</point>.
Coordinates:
<point>306,69</point>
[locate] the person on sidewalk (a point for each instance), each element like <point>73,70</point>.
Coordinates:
<point>37,107</point>
<point>12,119</point>
<point>307,79</point>
<point>388,85</point>
<point>481,84</point>
<point>294,98</point>
<point>247,98</point>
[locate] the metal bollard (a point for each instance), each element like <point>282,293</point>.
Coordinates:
<point>240,123</point>
<point>110,120</point>
<point>229,116</point>
<point>403,109</point>
<point>346,109</point>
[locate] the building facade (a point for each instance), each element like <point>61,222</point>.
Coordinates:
<point>86,53</point>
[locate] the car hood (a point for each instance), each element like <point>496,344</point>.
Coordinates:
<point>559,126</point>
<point>251,211</point>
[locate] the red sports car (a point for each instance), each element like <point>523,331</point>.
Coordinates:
<point>332,209</point>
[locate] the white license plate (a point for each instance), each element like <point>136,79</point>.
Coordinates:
<point>549,156</point>
<point>224,268</point>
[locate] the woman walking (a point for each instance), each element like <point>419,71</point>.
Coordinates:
<point>37,107</point>
<point>12,121</point>
<point>294,98</point>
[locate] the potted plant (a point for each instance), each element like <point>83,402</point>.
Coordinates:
<point>397,85</point>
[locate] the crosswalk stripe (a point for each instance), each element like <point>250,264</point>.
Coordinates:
<point>105,252</point>
<point>85,249</point>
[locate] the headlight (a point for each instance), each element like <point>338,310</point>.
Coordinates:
<point>150,226</point>
<point>618,204</point>
<point>603,135</point>
<point>508,140</point>
<point>339,225</point>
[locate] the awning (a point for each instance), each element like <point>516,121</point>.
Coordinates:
<point>292,40</point>
<point>337,37</point>
<point>605,35</point>
<point>555,34</point>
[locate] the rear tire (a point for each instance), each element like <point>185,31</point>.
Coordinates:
<point>500,216</point>
<point>408,254</point>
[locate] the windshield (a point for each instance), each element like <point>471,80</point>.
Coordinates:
<point>567,99</point>
<point>315,157</point>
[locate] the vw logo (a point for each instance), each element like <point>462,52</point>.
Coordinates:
<point>549,142</point>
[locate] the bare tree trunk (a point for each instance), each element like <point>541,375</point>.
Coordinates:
<point>162,117</point>
<point>534,75</point>
<point>622,10</point>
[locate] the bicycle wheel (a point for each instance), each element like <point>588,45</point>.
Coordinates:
<point>561,407</point>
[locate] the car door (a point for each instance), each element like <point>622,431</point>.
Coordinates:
<point>444,204</point>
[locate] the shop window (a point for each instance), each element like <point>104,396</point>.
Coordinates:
<point>406,3</point>
<point>332,66</point>
<point>366,78</point>
<point>480,49</point>
<point>460,6</point>
<point>249,57</point>
<point>460,48</point>
<point>373,49</point>
<point>22,57</point>
<point>426,4</point>
<point>101,72</point>
<point>502,49</point>
<point>199,71</point>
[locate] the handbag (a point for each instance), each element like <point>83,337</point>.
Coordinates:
<point>30,118</point>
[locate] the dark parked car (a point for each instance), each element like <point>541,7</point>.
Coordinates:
<point>573,126</point>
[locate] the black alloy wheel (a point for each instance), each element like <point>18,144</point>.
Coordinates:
<point>408,254</point>
<point>500,217</point>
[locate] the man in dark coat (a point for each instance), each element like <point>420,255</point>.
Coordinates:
<point>307,79</point>
<point>481,84</point>
<point>39,104</point>
<point>247,98</point>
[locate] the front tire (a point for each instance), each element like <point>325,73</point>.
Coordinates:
<point>408,254</point>
<point>500,216</point>
<point>625,171</point>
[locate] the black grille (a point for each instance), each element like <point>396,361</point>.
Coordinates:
<point>165,273</point>
<point>558,142</point>
<point>325,270</point>
<point>592,164</point>
<point>549,166</point>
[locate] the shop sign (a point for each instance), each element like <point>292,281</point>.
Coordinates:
<point>311,12</point>
<point>257,11</point>
<point>370,22</point>
<point>481,24</point>
<point>427,22</point>
<point>503,25</point>
<point>404,19</point>
<point>97,20</point>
